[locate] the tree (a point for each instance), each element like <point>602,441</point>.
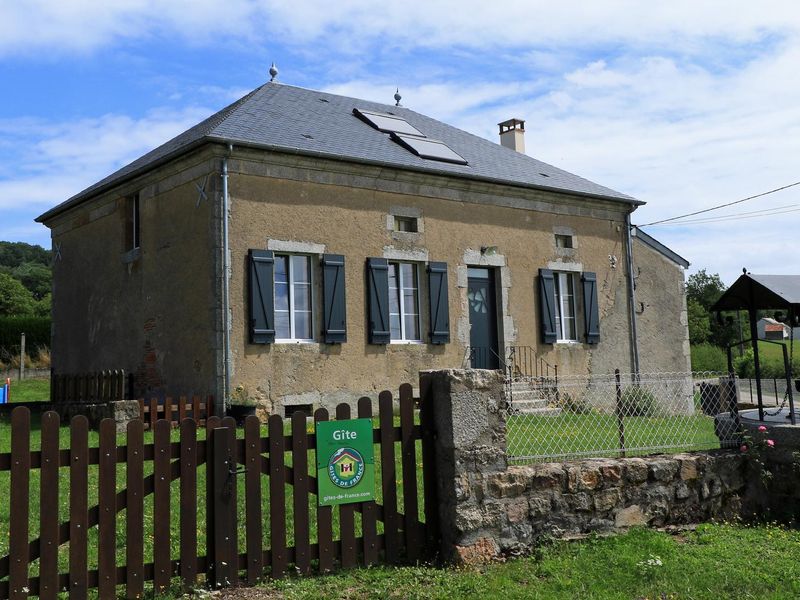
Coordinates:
<point>36,277</point>
<point>699,323</point>
<point>15,299</point>
<point>704,289</point>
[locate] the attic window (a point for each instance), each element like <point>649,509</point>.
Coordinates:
<point>563,241</point>
<point>406,224</point>
<point>387,123</point>
<point>428,148</point>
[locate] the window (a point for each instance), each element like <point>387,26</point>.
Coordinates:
<point>404,302</point>
<point>386,122</point>
<point>132,222</point>
<point>293,297</point>
<point>566,329</point>
<point>428,148</point>
<point>563,241</point>
<point>406,224</point>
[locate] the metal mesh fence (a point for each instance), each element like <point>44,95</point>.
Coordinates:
<point>618,415</point>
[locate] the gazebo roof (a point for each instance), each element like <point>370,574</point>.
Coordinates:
<point>761,292</point>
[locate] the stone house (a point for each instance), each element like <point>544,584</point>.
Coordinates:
<point>299,248</point>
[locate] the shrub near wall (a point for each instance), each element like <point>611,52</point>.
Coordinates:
<point>36,330</point>
<point>708,357</point>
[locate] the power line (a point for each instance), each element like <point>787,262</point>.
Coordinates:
<point>764,212</point>
<point>699,212</point>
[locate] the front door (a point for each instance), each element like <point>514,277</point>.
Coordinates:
<point>482,318</point>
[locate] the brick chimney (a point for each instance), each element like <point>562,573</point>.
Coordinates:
<point>512,134</point>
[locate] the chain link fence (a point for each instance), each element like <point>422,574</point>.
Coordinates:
<point>618,415</point>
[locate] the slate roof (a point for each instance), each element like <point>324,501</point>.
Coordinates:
<point>659,247</point>
<point>297,120</point>
<point>761,291</point>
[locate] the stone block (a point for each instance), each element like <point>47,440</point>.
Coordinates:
<point>605,500</point>
<point>663,469</point>
<point>590,478</point>
<point>539,505</point>
<point>468,518</point>
<point>688,467</point>
<point>517,511</point>
<point>636,470</point>
<point>506,485</point>
<point>612,474</point>
<point>579,502</point>
<point>546,476</point>
<point>682,491</point>
<point>630,516</point>
<point>483,551</point>
<point>573,475</point>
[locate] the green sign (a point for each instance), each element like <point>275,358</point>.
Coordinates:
<point>345,462</point>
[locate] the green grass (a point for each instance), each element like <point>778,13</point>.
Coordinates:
<point>715,562</point>
<point>598,435</point>
<point>30,390</point>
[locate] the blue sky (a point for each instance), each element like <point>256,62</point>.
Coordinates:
<point>684,104</point>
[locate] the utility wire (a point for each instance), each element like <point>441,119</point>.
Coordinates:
<point>730,218</point>
<point>699,212</point>
<point>764,212</point>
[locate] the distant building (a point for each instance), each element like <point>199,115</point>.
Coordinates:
<point>770,329</point>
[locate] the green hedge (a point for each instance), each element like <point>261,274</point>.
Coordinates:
<point>36,330</point>
<point>708,357</point>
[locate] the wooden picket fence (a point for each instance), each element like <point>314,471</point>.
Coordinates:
<point>268,465</point>
<point>175,410</point>
<point>101,386</point>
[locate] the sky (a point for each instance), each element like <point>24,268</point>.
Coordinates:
<point>685,105</point>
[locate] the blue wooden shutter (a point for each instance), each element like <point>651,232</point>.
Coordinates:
<point>439,307</point>
<point>334,327</point>
<point>591,314</point>
<point>547,305</point>
<point>378,294</point>
<point>262,297</point>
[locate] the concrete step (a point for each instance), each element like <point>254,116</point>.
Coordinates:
<point>539,412</point>
<point>530,403</point>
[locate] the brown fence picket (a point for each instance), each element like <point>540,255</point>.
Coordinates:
<point>162,566</point>
<point>277,497</point>
<point>188,503</point>
<point>368,509</point>
<point>107,506</point>
<point>48,513</point>
<point>168,409</point>
<point>153,413</point>
<point>347,512</point>
<point>388,477</point>
<point>324,515</point>
<point>224,556</point>
<point>300,495</point>
<point>252,493</point>
<point>408,445</point>
<point>19,513</point>
<point>182,408</point>
<point>429,476</point>
<point>134,519</point>
<point>78,507</point>
<point>229,423</point>
<point>196,409</point>
<point>211,424</point>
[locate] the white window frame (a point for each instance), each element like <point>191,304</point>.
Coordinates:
<point>291,282</point>
<point>561,283</point>
<point>401,306</point>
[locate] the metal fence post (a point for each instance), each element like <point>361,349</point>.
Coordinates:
<point>22,357</point>
<point>620,415</point>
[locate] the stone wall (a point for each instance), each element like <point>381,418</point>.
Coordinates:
<point>488,507</point>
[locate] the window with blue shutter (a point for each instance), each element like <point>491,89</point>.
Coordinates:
<point>261,293</point>
<point>378,329</point>
<point>439,306</point>
<point>591,313</point>
<point>334,326</point>
<point>547,308</point>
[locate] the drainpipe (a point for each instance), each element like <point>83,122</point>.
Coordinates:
<point>226,268</point>
<point>631,294</point>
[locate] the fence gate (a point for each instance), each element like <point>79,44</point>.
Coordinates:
<point>186,507</point>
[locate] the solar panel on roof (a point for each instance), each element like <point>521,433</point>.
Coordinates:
<point>428,148</point>
<point>387,123</point>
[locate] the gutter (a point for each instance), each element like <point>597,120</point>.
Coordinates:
<point>226,276</point>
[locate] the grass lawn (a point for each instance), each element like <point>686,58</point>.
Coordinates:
<point>713,563</point>
<point>30,390</point>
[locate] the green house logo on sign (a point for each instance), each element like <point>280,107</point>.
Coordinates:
<point>345,462</point>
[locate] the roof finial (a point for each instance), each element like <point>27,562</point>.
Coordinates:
<point>397,97</point>
<point>273,72</point>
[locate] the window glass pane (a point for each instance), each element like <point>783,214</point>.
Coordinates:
<point>557,282</point>
<point>412,327</point>
<point>281,269</point>
<point>300,269</point>
<point>302,325</point>
<point>282,325</point>
<point>394,325</point>
<point>409,302</point>
<point>302,296</point>
<point>394,292</point>
<point>281,296</point>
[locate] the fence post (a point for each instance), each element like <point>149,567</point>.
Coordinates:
<point>222,517</point>
<point>22,357</point>
<point>620,414</point>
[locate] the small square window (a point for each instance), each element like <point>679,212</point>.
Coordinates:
<point>406,224</point>
<point>564,241</point>
<point>132,222</point>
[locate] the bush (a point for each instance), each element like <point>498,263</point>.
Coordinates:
<point>639,402</point>
<point>570,404</point>
<point>36,329</point>
<point>771,366</point>
<point>708,357</point>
